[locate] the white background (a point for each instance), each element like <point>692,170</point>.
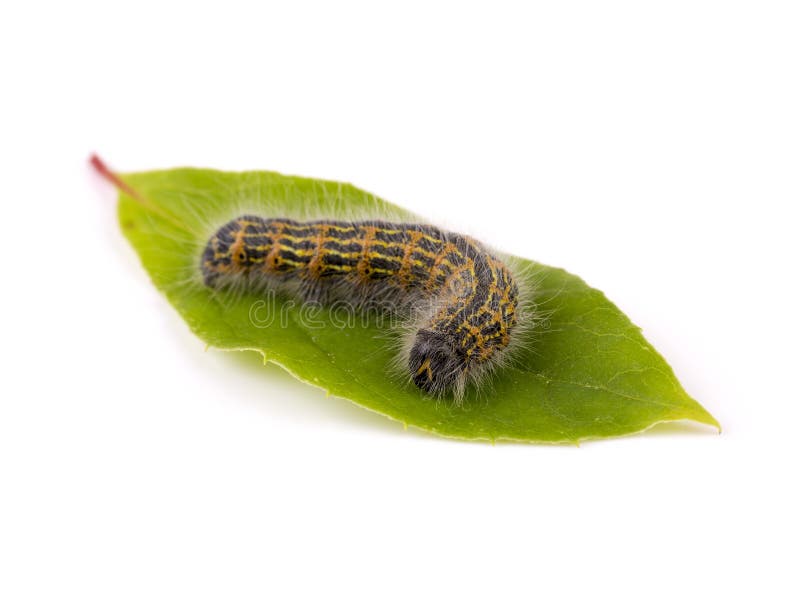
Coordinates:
<point>651,147</point>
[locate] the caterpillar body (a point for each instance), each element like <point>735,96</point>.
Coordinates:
<point>470,297</point>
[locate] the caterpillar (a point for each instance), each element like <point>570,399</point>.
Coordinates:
<point>464,306</point>
<point>473,295</point>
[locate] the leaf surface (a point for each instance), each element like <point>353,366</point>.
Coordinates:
<point>589,374</point>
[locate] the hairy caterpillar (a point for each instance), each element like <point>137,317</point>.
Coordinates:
<point>474,312</point>
<point>462,303</point>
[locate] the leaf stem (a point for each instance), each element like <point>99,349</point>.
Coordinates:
<point>112,177</point>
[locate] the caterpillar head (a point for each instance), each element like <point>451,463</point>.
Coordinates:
<point>434,363</point>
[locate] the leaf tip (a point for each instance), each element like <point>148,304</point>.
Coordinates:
<point>708,419</point>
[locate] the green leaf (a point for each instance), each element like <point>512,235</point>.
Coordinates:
<point>589,374</point>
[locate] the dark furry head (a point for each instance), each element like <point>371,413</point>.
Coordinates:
<point>434,363</point>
